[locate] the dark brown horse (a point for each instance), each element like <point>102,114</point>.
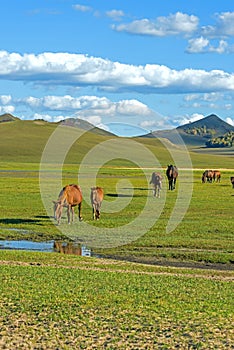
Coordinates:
<point>208,176</point>
<point>69,197</point>
<point>96,197</point>
<point>156,180</point>
<point>172,174</point>
<point>232,181</point>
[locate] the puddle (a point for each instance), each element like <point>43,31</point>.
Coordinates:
<point>51,246</point>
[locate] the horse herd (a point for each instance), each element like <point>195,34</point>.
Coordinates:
<point>71,195</point>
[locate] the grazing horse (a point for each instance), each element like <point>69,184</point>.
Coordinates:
<point>172,174</point>
<point>208,175</point>
<point>217,175</point>
<point>96,196</point>
<point>232,181</point>
<point>156,180</point>
<point>69,197</point>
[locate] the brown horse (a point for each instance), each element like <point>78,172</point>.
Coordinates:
<point>217,176</point>
<point>96,196</point>
<point>208,176</point>
<point>69,197</point>
<point>172,174</point>
<point>156,180</point>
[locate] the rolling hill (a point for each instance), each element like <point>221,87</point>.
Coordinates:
<point>84,125</point>
<point>23,141</point>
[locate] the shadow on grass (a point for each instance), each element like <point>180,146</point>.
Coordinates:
<point>117,195</point>
<point>17,221</point>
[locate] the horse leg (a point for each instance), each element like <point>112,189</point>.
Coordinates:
<point>94,215</point>
<point>170,185</point>
<point>72,211</point>
<point>69,214</point>
<point>79,210</point>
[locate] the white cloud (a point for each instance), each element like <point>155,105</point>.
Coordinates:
<point>85,107</point>
<point>77,70</point>
<point>115,14</point>
<point>213,96</point>
<point>197,45</point>
<point>202,45</point>
<point>224,26</point>
<point>82,8</point>
<point>7,109</point>
<point>5,99</point>
<point>174,24</point>
<point>230,121</point>
<point>188,119</point>
<point>154,124</point>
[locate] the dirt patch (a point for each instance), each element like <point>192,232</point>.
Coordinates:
<point>168,263</point>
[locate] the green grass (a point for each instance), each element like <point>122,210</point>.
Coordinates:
<point>204,235</point>
<point>57,301</point>
<point>51,301</point>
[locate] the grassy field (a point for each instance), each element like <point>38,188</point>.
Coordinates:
<point>204,235</point>
<point>52,301</point>
<point>57,301</point>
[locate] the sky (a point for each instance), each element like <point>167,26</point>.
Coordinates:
<point>129,67</point>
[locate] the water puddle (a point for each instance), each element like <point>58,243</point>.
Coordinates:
<point>51,246</point>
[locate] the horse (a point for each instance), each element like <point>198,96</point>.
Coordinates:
<point>172,174</point>
<point>96,197</point>
<point>156,180</point>
<point>208,175</point>
<point>69,197</point>
<point>217,175</point>
<point>232,181</point>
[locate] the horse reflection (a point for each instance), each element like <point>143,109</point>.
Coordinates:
<point>71,248</point>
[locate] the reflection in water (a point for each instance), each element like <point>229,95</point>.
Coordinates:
<point>52,246</point>
<point>71,248</point>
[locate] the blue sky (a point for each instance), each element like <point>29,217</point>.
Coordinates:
<point>126,66</point>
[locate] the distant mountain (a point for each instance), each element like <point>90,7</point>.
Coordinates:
<point>196,133</point>
<point>7,117</point>
<point>84,125</point>
<point>208,127</point>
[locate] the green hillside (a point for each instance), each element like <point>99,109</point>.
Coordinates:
<point>24,141</point>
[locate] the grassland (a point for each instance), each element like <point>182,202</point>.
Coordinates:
<point>54,301</point>
<point>205,234</point>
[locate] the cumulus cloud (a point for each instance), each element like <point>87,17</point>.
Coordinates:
<point>202,45</point>
<point>174,24</point>
<point>230,121</point>
<point>5,99</point>
<point>189,119</point>
<point>224,26</point>
<point>78,70</point>
<point>7,109</point>
<point>91,108</point>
